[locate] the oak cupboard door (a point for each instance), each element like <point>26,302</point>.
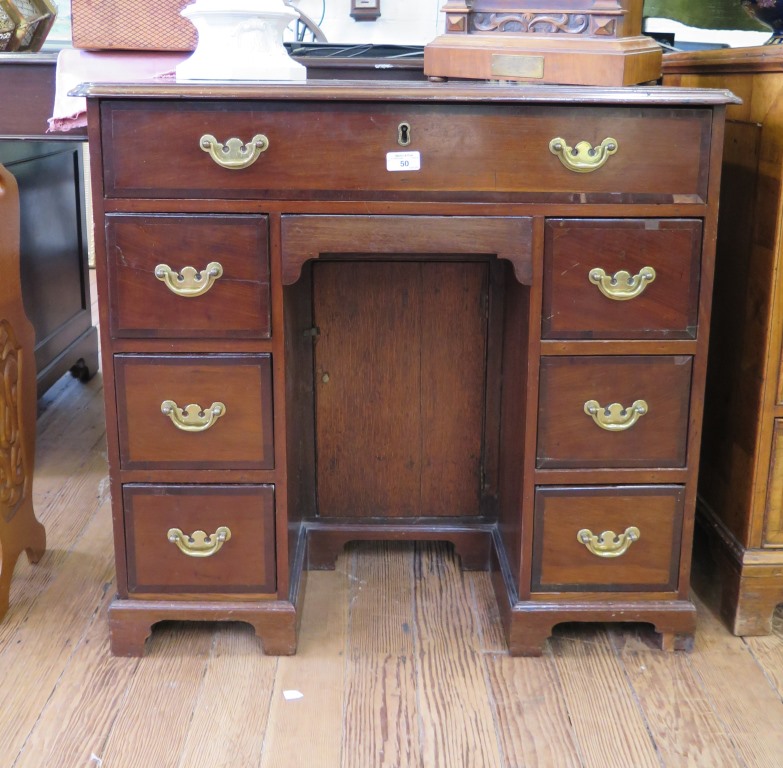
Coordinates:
<point>400,387</point>
<point>244,562</point>
<point>621,278</point>
<point>639,407</point>
<point>215,271</point>
<point>231,399</point>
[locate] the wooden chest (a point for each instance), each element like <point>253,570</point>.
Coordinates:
<point>741,484</point>
<point>470,313</point>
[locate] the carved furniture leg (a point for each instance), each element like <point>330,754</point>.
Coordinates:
<point>19,529</point>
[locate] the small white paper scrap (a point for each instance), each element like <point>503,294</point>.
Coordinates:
<point>292,695</point>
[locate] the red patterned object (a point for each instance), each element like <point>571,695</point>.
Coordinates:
<point>155,25</point>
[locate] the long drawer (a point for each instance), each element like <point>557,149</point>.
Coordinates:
<point>602,539</point>
<point>200,539</point>
<point>174,276</point>
<point>614,411</point>
<point>195,411</point>
<point>303,150</point>
<point>621,278</point>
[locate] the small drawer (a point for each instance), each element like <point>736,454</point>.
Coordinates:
<point>613,411</point>
<point>200,539</point>
<point>621,279</point>
<point>611,539</point>
<point>334,149</point>
<point>780,380</point>
<point>228,423</point>
<point>773,515</point>
<point>188,276</point>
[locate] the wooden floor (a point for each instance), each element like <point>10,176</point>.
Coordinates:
<point>401,663</point>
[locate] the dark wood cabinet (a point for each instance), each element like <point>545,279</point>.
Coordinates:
<point>53,249</point>
<point>363,349</point>
<point>48,169</point>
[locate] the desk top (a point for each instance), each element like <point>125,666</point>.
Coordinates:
<point>757,58</point>
<point>27,81</point>
<point>438,92</point>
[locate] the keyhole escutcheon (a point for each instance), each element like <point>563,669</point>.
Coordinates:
<point>404,134</point>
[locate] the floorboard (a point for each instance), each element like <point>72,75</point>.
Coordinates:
<point>301,731</point>
<point>457,725</point>
<point>610,727</point>
<point>684,726</point>
<point>741,695</point>
<point>381,716</point>
<point>229,720</point>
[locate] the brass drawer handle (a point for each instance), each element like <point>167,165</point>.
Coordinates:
<point>608,543</point>
<point>234,154</point>
<point>192,418</point>
<point>199,543</point>
<point>622,285</point>
<point>584,158</point>
<point>615,417</point>
<point>189,281</point>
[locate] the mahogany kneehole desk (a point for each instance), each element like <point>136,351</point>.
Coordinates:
<point>465,312</point>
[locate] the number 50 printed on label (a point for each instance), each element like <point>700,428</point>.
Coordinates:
<point>403,161</point>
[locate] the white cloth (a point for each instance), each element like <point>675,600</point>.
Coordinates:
<point>75,67</point>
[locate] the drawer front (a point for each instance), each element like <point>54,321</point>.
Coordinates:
<point>607,539</point>
<point>496,152</point>
<point>188,276</point>
<point>621,279</point>
<point>773,519</point>
<point>237,436</point>
<point>639,411</point>
<point>166,554</point>
<point>780,380</point>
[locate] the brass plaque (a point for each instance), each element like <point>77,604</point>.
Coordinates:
<point>514,65</point>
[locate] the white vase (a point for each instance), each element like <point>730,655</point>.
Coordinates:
<point>240,40</point>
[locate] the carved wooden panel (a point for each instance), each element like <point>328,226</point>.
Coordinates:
<point>12,464</point>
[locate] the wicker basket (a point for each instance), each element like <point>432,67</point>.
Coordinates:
<point>155,25</point>
<point>24,24</point>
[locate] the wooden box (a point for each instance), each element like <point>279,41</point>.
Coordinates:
<point>121,24</point>
<point>574,42</point>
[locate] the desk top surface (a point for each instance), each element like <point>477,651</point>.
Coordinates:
<point>446,92</point>
<point>758,58</point>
